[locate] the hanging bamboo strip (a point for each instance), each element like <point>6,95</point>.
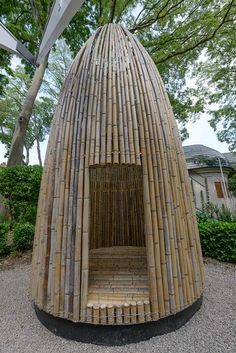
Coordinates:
<point>118,181</point>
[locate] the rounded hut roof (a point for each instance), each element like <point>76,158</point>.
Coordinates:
<point>203,156</point>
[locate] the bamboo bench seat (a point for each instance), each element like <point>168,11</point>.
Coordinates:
<point>117,275</point>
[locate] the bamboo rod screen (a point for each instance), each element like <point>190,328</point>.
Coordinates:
<point>118,275</point>
<point>116,204</point>
<point>114,110</point>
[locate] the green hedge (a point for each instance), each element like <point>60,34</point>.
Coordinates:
<point>4,247</point>
<point>20,187</point>
<point>19,239</point>
<point>23,237</point>
<point>218,239</point>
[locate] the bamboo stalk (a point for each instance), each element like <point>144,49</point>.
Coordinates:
<point>133,312</point>
<point>126,309</point>
<point>119,318</point>
<point>111,314</point>
<point>89,316</point>
<point>119,103</point>
<point>79,201</point>
<point>140,308</point>
<point>103,314</point>
<point>96,314</point>
<point>147,310</point>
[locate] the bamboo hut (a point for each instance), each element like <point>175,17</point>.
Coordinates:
<point>116,238</point>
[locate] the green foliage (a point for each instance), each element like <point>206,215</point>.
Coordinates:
<point>194,40</point>
<point>16,253</point>
<point>212,211</point>
<point>20,187</point>
<point>218,239</point>
<point>59,62</point>
<point>26,20</point>
<point>4,247</point>
<point>10,106</point>
<point>188,40</point>
<point>232,184</point>
<point>15,91</point>
<point>23,237</point>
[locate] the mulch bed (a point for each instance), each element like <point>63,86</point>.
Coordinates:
<point>10,262</point>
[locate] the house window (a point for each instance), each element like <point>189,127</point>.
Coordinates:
<point>219,189</point>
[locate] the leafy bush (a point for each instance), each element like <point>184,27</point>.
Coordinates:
<point>203,216</point>
<point>23,236</point>
<point>225,214</point>
<point>232,184</point>
<point>211,211</point>
<point>4,247</point>
<point>218,239</point>
<point>20,187</point>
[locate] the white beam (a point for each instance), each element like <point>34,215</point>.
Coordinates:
<point>11,44</point>
<point>62,13</point>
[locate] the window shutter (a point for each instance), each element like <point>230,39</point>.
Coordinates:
<point>219,189</point>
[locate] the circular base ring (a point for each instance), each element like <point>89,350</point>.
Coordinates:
<point>116,335</point>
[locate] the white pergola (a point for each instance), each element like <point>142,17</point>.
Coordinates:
<point>11,44</point>
<point>62,13</point>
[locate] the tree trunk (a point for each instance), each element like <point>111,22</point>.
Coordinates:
<point>39,152</point>
<point>17,144</point>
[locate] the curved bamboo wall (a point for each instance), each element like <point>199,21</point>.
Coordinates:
<point>114,109</point>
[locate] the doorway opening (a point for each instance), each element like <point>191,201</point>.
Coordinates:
<point>117,255</point>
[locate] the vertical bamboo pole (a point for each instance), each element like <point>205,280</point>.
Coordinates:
<point>147,310</point>
<point>56,202</point>
<point>109,101</point>
<point>133,312</point>
<point>96,314</point>
<point>119,100</point>
<point>79,201</point>
<point>119,318</point>
<point>103,314</point>
<point>115,138</point>
<point>126,309</point>
<point>110,314</point>
<point>89,316</point>
<point>140,308</point>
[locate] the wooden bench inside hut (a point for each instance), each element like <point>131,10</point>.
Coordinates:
<point>117,255</point>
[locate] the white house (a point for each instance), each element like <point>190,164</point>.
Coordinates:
<point>209,170</point>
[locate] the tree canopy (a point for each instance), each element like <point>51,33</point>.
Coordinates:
<point>190,42</point>
<point>15,91</point>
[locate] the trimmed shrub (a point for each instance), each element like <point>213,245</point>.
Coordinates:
<point>23,236</point>
<point>20,187</point>
<point>218,239</point>
<point>4,247</point>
